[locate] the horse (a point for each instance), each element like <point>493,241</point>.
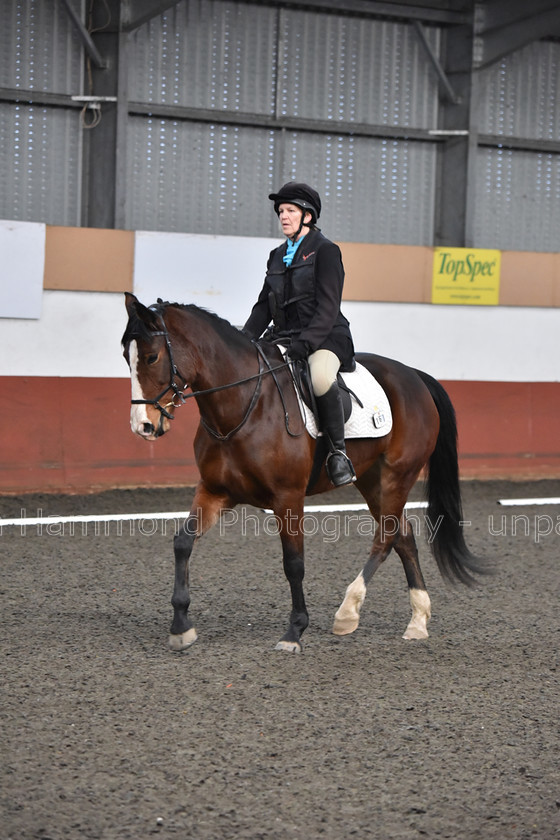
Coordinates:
<point>251,447</point>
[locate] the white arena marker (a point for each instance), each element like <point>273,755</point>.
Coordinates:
<point>110,517</point>
<point>553,500</point>
<point>359,506</point>
<point>182,514</point>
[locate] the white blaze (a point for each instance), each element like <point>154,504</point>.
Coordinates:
<point>138,413</point>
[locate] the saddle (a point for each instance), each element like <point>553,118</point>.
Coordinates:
<point>367,413</point>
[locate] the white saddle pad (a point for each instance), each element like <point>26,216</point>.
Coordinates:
<point>373,420</point>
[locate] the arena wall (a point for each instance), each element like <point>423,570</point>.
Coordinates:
<point>65,389</point>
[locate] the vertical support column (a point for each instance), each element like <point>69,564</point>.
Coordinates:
<point>457,154</point>
<point>121,133</point>
<point>280,134</point>
<point>99,177</point>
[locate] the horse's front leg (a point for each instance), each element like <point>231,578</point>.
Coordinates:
<point>291,534</point>
<point>204,513</point>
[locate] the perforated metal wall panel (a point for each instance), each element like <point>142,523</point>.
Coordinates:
<point>518,200</point>
<point>188,176</point>
<point>373,190</point>
<point>356,70</point>
<point>198,178</point>
<point>267,66</point>
<point>40,146</point>
<point>207,54</point>
<point>38,48</point>
<point>518,192</point>
<point>40,171</point>
<point>518,94</point>
<point>190,173</point>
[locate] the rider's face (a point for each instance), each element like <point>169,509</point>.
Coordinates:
<point>290,219</point>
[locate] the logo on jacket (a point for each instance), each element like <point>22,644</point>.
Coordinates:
<point>306,256</point>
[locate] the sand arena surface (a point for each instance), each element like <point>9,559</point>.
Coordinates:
<point>107,734</point>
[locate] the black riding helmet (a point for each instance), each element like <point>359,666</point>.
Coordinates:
<point>302,195</point>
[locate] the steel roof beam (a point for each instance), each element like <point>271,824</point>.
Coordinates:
<point>375,8</point>
<point>441,74</point>
<point>504,27</point>
<point>144,10</point>
<point>89,46</point>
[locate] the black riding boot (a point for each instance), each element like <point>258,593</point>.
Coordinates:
<point>331,419</point>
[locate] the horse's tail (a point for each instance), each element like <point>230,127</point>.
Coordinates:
<point>445,510</point>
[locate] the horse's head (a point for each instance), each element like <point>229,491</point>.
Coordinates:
<point>156,383</point>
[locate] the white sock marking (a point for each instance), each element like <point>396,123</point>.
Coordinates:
<point>421,612</point>
<point>347,616</point>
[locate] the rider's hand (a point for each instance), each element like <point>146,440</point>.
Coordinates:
<point>297,351</point>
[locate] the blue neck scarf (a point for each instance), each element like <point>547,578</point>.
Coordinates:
<point>291,250</point>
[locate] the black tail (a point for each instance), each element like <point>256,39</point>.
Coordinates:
<point>445,510</point>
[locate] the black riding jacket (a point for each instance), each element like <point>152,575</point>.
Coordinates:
<point>303,300</point>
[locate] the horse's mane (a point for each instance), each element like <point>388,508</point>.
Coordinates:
<point>137,328</point>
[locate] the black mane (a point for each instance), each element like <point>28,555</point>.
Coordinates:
<point>138,329</point>
<point>135,329</point>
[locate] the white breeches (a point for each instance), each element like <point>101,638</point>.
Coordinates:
<point>323,367</point>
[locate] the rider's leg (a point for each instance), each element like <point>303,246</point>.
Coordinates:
<point>323,367</point>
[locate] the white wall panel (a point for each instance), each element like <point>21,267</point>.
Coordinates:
<point>477,343</point>
<point>22,266</point>
<point>221,273</point>
<point>78,334</point>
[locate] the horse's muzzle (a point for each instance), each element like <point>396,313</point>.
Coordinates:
<point>146,429</point>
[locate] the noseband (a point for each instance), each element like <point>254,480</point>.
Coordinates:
<point>179,397</point>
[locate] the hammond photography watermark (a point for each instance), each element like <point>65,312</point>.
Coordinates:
<point>252,523</point>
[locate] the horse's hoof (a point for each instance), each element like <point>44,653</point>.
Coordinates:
<point>183,640</point>
<point>289,647</point>
<point>344,626</point>
<point>415,632</point>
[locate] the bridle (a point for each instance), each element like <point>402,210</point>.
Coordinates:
<point>178,393</point>
<point>179,397</point>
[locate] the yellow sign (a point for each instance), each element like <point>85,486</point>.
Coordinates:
<point>466,276</point>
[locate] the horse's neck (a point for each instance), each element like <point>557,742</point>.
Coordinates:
<point>217,362</point>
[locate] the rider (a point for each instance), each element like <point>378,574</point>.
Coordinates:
<point>301,295</point>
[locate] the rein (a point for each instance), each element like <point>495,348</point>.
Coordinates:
<point>179,393</point>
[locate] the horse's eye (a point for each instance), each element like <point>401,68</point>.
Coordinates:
<point>152,358</point>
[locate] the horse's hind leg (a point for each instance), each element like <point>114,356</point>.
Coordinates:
<point>205,512</point>
<point>405,546</point>
<point>386,495</point>
<point>400,537</point>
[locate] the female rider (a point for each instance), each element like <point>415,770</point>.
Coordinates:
<point>301,295</point>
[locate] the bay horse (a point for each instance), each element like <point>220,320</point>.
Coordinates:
<point>251,447</point>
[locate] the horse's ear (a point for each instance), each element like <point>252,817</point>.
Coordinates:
<point>135,308</point>
<point>131,302</point>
